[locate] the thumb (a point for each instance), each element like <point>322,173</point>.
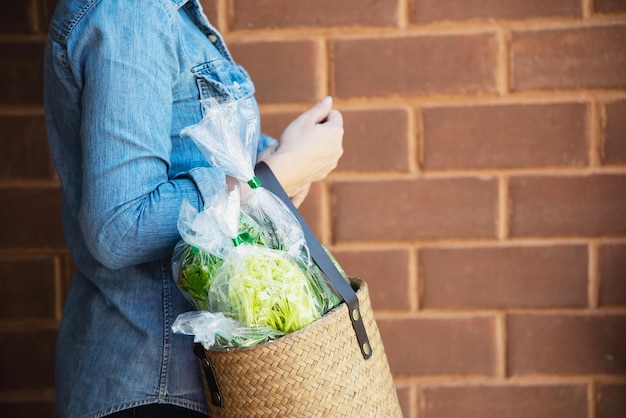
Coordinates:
<point>320,110</point>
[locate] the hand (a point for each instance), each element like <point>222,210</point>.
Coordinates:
<point>299,197</point>
<point>309,149</point>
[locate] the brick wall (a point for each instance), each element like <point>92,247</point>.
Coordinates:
<point>482,193</point>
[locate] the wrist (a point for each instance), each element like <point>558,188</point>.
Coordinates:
<point>284,171</point>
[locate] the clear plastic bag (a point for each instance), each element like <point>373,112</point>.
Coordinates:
<point>263,286</point>
<point>228,137</point>
<point>259,273</point>
<point>216,331</point>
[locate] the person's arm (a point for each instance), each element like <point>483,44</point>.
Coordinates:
<point>129,207</point>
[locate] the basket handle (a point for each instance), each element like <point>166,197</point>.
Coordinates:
<point>334,277</point>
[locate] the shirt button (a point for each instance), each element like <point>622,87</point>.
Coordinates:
<point>213,38</point>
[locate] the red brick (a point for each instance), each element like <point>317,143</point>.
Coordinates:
<point>24,148</point>
<point>609,6</point>
<point>312,208</point>
<point>386,273</point>
<point>439,346</point>
<point>509,401</point>
<point>614,151</point>
<point>274,123</point>
<point>282,71</point>
<point>210,8</point>
<point>47,8</point>
<point>611,400</point>
<point>504,277</point>
<point>27,359</point>
<point>428,11</point>
<point>375,140</point>
<point>21,73</point>
<point>18,16</point>
<point>27,288</point>
<point>505,136</point>
<point>414,209</point>
<point>67,272</point>
<point>612,272</point>
<point>258,14</point>
<point>414,65</point>
<point>568,206</point>
<point>565,344</point>
<point>591,57</point>
<point>27,409</point>
<point>30,218</point>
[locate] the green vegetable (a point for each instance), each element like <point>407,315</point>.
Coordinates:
<point>197,271</point>
<point>259,235</point>
<point>260,286</point>
<point>198,267</point>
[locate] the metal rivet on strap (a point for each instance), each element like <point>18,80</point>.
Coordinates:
<point>212,38</point>
<point>355,314</point>
<point>366,349</point>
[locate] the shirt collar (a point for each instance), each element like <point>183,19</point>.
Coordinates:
<point>179,3</point>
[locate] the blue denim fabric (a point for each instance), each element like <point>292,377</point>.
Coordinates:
<point>122,78</point>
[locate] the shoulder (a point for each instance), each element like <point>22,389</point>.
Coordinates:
<point>71,15</point>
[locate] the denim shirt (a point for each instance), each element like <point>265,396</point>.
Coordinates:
<point>122,78</point>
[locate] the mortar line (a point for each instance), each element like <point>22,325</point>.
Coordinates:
<point>503,70</point>
<point>601,119</point>
<point>431,29</point>
<point>593,276</point>
<point>594,132</point>
<point>322,68</point>
<point>587,9</point>
<point>591,399</point>
<point>501,336</point>
<point>403,14</point>
<point>415,283</point>
<point>224,15</point>
<point>326,213</point>
<point>36,16</point>
<point>415,398</point>
<point>416,141</point>
<point>330,68</point>
<point>441,100</point>
<point>502,209</point>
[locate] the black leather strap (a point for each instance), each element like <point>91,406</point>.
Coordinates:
<point>209,375</point>
<point>270,182</point>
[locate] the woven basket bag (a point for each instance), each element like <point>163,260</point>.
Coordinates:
<point>318,371</point>
<point>334,367</point>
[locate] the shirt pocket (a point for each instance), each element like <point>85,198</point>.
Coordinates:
<point>222,80</point>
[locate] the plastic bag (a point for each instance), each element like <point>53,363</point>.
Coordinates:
<point>228,137</point>
<point>208,237</point>
<point>262,286</point>
<point>260,272</point>
<point>216,331</point>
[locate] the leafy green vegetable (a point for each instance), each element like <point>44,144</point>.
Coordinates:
<point>261,286</point>
<point>197,271</point>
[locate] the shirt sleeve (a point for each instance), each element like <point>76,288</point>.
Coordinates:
<point>129,207</point>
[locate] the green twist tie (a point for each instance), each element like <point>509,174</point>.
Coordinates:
<point>241,238</point>
<point>195,250</point>
<point>254,182</point>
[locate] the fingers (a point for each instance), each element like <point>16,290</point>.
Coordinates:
<point>334,118</point>
<point>319,111</point>
<point>299,196</point>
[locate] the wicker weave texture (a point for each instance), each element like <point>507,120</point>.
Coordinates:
<point>318,371</point>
